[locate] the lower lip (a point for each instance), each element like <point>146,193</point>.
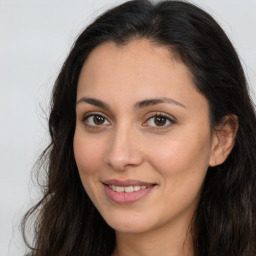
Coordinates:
<point>126,198</point>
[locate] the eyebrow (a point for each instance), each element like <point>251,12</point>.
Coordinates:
<point>94,102</point>
<point>138,105</point>
<point>151,102</point>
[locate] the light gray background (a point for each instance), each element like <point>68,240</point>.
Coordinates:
<point>35,38</point>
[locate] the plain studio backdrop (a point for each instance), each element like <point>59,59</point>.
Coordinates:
<point>35,38</point>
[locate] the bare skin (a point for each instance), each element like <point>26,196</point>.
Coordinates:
<point>140,117</point>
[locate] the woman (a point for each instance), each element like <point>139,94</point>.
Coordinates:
<point>153,140</point>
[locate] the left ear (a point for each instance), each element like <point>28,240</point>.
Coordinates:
<point>223,139</point>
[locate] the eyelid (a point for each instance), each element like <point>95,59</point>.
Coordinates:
<point>170,118</point>
<point>95,113</point>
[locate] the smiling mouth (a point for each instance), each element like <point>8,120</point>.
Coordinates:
<point>127,186</point>
<point>127,189</point>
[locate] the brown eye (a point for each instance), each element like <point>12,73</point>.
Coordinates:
<point>160,120</point>
<point>98,120</point>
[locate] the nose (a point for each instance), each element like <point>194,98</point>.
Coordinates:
<point>124,149</point>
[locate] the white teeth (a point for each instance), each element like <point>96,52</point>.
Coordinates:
<point>119,189</point>
<point>128,189</point>
<point>136,188</point>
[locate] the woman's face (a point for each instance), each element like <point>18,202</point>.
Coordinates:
<point>142,141</point>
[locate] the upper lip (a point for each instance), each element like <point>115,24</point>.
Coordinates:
<point>127,183</point>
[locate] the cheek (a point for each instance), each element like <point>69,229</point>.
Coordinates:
<point>88,156</point>
<point>181,158</point>
<point>87,152</point>
<point>182,165</point>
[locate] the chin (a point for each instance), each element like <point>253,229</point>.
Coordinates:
<point>128,223</point>
<point>129,227</point>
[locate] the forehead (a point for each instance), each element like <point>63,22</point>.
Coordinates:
<point>135,56</point>
<point>139,69</point>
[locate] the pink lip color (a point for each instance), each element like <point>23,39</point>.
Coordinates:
<point>123,197</point>
<point>127,183</point>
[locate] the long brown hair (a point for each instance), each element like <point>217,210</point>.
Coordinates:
<point>67,222</point>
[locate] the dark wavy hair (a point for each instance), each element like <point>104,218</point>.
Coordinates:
<point>67,223</point>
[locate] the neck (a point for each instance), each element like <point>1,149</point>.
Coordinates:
<point>161,241</point>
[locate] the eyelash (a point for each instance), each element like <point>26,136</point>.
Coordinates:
<point>94,115</point>
<point>166,118</point>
